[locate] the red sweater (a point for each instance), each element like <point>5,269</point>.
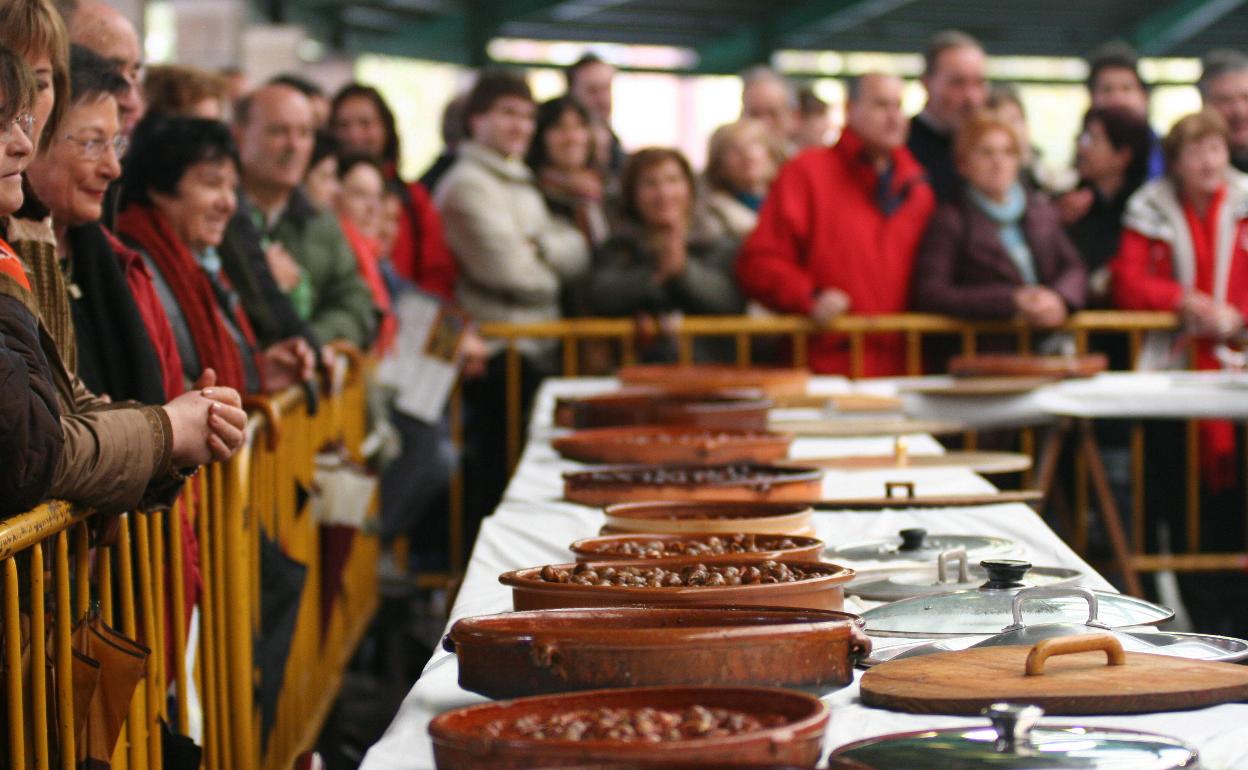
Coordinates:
<point>420,251</point>
<point>821,227</point>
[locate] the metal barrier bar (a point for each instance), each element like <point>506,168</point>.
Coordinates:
<point>13,662</point>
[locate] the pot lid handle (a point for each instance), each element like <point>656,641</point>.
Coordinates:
<point>912,539</point>
<point>1013,723</point>
<point>1054,592</point>
<point>904,486</point>
<point>942,562</point>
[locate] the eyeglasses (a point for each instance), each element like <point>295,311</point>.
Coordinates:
<point>24,123</point>
<point>93,148</point>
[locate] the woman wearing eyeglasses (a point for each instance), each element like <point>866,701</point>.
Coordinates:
<point>126,348</point>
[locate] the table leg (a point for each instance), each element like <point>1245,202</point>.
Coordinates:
<point>1109,509</point>
<point>1050,453</point>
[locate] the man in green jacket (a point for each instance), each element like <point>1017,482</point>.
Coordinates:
<point>306,250</point>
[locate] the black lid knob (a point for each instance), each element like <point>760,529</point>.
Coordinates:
<point>1005,573</point>
<point>912,539</point>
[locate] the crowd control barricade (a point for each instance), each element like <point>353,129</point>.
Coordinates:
<point>1086,329</point>
<point>194,603</point>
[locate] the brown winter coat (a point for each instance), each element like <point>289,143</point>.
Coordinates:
<point>116,456</point>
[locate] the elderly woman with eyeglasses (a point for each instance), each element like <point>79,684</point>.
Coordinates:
<point>126,347</point>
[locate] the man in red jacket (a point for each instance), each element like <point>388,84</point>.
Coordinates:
<point>840,228</point>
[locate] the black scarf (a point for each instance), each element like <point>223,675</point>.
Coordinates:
<point>115,353</point>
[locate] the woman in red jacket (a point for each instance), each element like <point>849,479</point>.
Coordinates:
<point>1183,244</point>
<point>1184,249</point>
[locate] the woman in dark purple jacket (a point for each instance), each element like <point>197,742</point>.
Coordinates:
<point>997,251</point>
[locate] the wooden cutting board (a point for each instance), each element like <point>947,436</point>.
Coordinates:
<point>925,501</point>
<point>980,462</point>
<point>1077,677</point>
<point>864,427</point>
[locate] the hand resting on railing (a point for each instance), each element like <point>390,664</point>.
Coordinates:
<point>208,423</point>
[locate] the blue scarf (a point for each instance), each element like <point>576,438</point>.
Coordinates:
<point>750,200</point>
<point>1009,218</point>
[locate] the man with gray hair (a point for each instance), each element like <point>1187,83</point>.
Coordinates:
<point>771,99</point>
<point>1223,86</point>
<point>954,76</point>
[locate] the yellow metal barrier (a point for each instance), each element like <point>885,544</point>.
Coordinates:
<point>53,572</point>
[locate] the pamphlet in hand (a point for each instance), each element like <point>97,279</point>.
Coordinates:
<point>424,364</point>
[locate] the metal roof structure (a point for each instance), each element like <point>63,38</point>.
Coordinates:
<point>729,35</point>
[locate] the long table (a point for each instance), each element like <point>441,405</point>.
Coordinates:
<point>532,526</point>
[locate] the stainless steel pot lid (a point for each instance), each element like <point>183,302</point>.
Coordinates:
<point>917,545</point>
<point>942,579</point>
<point>990,608</point>
<point>1014,740</point>
<point>1223,649</point>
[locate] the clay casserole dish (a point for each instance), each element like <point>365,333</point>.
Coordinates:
<point>674,546</point>
<point>461,740</point>
<point>527,653</point>
<point>725,409</point>
<point>709,518</point>
<point>672,444</point>
<point>683,377</point>
<point>824,591</point>
<point>738,482</point>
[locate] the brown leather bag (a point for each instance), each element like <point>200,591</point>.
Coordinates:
<point>122,666</point>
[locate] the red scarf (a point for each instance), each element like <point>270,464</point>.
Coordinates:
<point>193,290</point>
<point>11,265</point>
<point>366,251</point>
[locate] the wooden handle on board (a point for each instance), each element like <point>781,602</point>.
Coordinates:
<point>1068,645</point>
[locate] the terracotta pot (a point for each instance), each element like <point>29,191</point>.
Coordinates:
<point>668,444</point>
<point>604,547</point>
<point>679,378</point>
<point>525,653</point>
<point>826,592</point>
<point>744,482</point>
<point>705,408</point>
<point>460,742</point>
<point>1012,365</point>
<point>710,518</point>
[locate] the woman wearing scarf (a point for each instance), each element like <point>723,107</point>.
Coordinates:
<point>998,251</point>
<point>179,195</point>
<point>564,167</point>
<point>741,163</point>
<point>1183,250</point>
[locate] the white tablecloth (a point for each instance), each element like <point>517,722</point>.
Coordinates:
<point>532,527</point>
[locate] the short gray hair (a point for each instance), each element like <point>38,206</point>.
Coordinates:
<point>761,73</point>
<point>1217,63</point>
<point>946,40</point>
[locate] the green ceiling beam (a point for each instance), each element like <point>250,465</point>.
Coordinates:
<point>755,44</point>
<point>460,37</point>
<point>1163,30</point>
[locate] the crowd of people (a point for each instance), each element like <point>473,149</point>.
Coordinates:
<point>171,245</point>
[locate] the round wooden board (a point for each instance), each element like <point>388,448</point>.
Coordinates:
<point>980,462</point>
<point>962,683</point>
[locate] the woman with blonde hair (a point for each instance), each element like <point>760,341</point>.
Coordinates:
<point>176,89</point>
<point>998,250</point>
<point>742,160</point>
